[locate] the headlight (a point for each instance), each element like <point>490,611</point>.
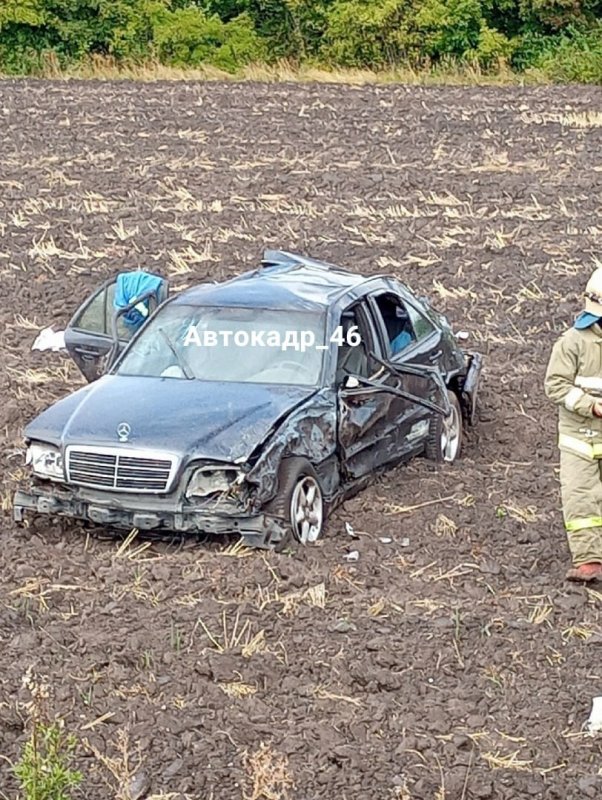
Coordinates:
<point>206,481</point>
<point>46,461</point>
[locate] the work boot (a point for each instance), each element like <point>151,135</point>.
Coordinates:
<point>585,572</point>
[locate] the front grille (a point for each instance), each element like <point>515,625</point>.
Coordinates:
<point>119,470</point>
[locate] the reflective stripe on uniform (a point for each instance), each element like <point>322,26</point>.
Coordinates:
<point>579,446</point>
<point>594,383</point>
<point>583,523</point>
<point>573,397</point>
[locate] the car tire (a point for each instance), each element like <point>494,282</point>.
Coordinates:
<point>299,492</point>
<point>444,442</point>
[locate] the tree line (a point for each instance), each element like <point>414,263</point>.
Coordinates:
<point>562,38</point>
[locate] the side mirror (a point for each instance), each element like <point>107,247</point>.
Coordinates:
<point>426,301</point>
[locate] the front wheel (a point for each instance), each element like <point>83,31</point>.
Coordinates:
<point>444,441</point>
<point>299,502</point>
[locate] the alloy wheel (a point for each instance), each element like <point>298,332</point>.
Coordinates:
<point>307,510</point>
<point>451,434</point>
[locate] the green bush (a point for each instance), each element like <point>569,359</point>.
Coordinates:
<point>450,28</point>
<point>575,57</point>
<point>18,59</point>
<point>21,36</point>
<point>241,45</point>
<point>128,26</point>
<point>527,48</point>
<point>44,770</point>
<point>560,38</point>
<point>73,29</point>
<point>178,34</point>
<point>493,48</point>
<point>378,33</point>
<point>362,33</point>
<point>293,28</point>
<point>555,16</point>
<point>187,37</point>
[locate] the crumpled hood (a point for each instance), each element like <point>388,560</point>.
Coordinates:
<point>222,421</point>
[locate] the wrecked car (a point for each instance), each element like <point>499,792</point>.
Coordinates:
<point>249,407</point>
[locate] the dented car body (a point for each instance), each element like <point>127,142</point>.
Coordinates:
<point>200,423</point>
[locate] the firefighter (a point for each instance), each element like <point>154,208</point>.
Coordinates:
<point>574,382</point>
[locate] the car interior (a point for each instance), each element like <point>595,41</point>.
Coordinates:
<point>400,332</point>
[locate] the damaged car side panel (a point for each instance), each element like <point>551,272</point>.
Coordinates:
<point>310,431</point>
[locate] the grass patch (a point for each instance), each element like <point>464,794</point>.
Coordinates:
<point>98,67</point>
<point>45,770</point>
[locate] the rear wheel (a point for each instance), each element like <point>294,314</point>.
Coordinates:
<point>299,502</point>
<point>444,441</point>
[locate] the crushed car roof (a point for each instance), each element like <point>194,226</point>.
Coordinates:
<point>283,281</point>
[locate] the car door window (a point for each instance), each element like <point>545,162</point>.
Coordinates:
<point>97,315</point>
<point>423,327</point>
<point>353,356</point>
<point>93,317</point>
<point>396,322</point>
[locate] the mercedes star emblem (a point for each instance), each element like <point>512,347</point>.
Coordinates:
<point>123,431</point>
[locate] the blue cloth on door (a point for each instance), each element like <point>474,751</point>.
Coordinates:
<point>131,285</point>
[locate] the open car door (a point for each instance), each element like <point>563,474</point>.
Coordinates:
<point>106,321</point>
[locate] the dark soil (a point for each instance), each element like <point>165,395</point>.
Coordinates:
<point>450,663</point>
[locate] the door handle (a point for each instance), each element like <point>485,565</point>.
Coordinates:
<point>88,356</point>
<point>435,356</point>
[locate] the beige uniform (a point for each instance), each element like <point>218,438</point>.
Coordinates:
<point>574,382</point>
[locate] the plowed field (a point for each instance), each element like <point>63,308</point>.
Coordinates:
<point>450,663</point>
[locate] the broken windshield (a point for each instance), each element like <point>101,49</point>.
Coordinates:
<point>247,345</point>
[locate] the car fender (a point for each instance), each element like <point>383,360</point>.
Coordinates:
<point>309,431</point>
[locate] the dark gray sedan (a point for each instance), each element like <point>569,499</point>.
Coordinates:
<point>248,407</point>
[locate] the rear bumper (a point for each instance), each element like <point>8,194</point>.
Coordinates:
<point>258,530</point>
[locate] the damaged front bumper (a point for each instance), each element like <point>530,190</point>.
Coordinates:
<point>158,515</point>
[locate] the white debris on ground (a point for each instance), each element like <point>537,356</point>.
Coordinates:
<point>49,339</point>
<point>351,531</point>
<point>594,723</point>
